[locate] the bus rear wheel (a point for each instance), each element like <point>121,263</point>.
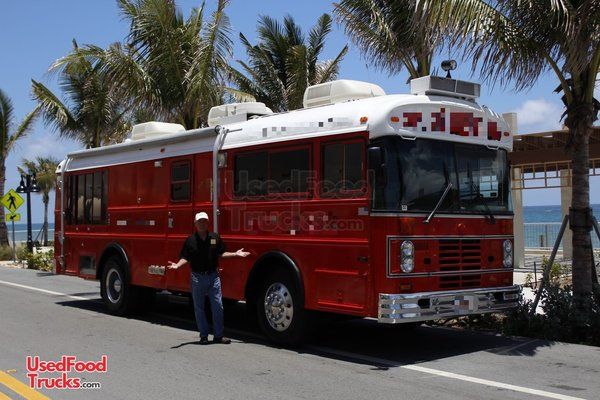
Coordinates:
<point>280,309</point>
<point>118,295</point>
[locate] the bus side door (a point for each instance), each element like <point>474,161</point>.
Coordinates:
<point>180,218</point>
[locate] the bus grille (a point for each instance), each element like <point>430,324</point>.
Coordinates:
<point>459,255</point>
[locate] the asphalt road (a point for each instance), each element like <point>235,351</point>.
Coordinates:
<point>155,355</point>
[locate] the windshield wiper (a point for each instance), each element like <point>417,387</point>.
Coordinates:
<point>439,203</point>
<point>488,212</point>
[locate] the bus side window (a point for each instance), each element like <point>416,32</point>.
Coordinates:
<point>87,199</point>
<point>342,170</point>
<point>181,181</point>
<point>250,174</point>
<point>71,196</point>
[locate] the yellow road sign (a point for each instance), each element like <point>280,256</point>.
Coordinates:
<point>13,217</point>
<point>11,200</point>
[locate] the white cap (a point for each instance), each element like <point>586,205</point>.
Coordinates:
<point>201,215</point>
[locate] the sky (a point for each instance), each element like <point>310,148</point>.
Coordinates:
<point>37,32</point>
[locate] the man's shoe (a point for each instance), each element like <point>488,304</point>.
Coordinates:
<point>203,340</point>
<point>222,340</point>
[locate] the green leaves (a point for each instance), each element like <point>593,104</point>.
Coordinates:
<point>388,34</point>
<point>8,137</point>
<point>171,65</point>
<point>93,111</point>
<point>285,62</point>
<point>44,169</point>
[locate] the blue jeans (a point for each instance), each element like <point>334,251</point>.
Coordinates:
<point>203,285</point>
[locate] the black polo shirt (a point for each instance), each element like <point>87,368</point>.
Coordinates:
<point>203,255</point>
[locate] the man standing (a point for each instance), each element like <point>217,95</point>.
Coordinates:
<point>202,250</point>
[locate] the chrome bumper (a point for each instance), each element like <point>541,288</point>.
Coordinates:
<point>409,307</point>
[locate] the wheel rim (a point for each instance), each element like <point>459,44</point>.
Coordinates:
<point>279,307</point>
<point>114,286</point>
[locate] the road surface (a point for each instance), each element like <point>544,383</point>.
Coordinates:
<point>156,355</point>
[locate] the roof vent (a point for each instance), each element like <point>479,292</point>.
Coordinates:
<point>435,85</point>
<point>152,129</point>
<point>236,112</point>
<point>339,91</point>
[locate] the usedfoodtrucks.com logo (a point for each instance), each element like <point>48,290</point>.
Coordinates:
<point>61,372</point>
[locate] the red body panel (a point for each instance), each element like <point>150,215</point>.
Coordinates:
<point>342,251</point>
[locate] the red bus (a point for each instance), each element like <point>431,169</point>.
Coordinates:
<point>395,207</point>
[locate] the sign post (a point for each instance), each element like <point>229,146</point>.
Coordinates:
<point>12,201</point>
<point>12,218</point>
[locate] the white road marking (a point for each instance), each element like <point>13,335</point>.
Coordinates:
<point>517,346</point>
<point>44,290</point>
<point>374,360</point>
<point>445,374</point>
<point>487,382</point>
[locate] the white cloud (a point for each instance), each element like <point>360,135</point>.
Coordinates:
<point>538,115</point>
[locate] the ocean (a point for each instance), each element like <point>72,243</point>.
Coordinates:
<point>542,224</point>
<point>536,214</point>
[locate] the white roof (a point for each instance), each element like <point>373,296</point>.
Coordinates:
<point>404,115</point>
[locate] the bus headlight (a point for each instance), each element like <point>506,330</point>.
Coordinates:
<point>407,256</point>
<point>507,250</point>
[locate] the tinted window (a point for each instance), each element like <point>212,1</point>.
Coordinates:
<point>418,171</point>
<point>342,168</point>
<point>80,199</point>
<point>180,181</point>
<point>251,174</point>
<point>288,171</point>
<point>97,198</point>
<point>87,202</point>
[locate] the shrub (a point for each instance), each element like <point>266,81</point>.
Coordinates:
<point>42,261</point>
<point>6,253</point>
<point>564,318</point>
<point>22,252</point>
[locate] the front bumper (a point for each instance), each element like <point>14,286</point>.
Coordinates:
<point>409,307</point>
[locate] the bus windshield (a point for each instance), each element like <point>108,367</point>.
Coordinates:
<point>418,171</point>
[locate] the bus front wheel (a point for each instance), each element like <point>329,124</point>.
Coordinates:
<point>280,309</point>
<point>115,289</point>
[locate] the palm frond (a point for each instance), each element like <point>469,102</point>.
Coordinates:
<point>328,70</point>
<point>6,120</point>
<point>23,129</point>
<point>53,110</point>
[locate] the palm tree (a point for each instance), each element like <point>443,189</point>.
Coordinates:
<point>94,114</point>
<point>284,63</point>
<point>386,33</point>
<point>8,137</point>
<point>520,40</point>
<point>170,65</point>
<point>44,169</point>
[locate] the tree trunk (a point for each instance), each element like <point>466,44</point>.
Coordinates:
<point>45,223</point>
<point>580,125</point>
<point>3,229</point>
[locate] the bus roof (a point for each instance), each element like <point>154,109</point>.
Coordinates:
<point>406,115</point>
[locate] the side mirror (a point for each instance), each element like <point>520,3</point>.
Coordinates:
<point>377,168</point>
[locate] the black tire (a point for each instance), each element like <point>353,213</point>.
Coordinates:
<point>118,294</point>
<point>286,323</point>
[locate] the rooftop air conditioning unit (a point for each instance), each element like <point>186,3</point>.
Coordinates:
<point>435,85</point>
<point>153,129</point>
<point>339,91</point>
<point>236,112</point>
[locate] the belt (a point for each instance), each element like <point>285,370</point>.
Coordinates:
<point>205,272</point>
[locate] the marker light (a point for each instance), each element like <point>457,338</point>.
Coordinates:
<point>407,256</point>
<point>507,250</point>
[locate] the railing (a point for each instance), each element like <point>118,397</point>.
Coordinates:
<point>543,234</point>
